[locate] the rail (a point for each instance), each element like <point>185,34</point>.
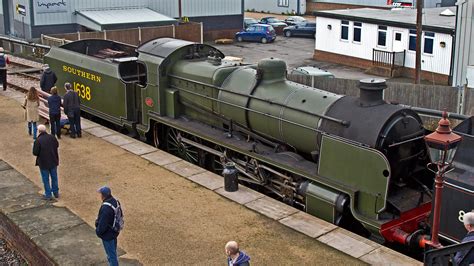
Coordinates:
<point>444,255</point>
<point>392,60</point>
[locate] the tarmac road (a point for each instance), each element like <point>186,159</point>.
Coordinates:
<point>169,220</point>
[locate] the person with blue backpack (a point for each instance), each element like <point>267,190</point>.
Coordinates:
<point>4,61</point>
<point>109,223</point>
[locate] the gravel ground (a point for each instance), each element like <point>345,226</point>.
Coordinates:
<point>8,256</point>
<point>169,220</point>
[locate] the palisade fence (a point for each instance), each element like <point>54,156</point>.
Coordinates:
<point>190,31</point>
<point>420,95</point>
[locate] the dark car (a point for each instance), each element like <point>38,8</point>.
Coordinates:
<point>304,29</point>
<point>257,32</point>
<point>272,21</point>
<point>294,20</point>
<point>249,22</point>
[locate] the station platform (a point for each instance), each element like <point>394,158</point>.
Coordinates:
<point>175,212</point>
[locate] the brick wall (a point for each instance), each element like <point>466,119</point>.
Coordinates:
<point>366,64</point>
<point>320,6</point>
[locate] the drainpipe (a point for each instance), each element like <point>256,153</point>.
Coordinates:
<point>180,12</point>
<point>298,9</point>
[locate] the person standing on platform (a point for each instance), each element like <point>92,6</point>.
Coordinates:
<point>468,220</point>
<point>72,108</point>
<point>48,79</point>
<point>45,149</point>
<point>54,104</point>
<point>109,223</point>
<point>31,105</point>
<point>235,257</point>
<point>4,61</point>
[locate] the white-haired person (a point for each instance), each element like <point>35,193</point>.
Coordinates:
<point>4,61</point>
<point>235,257</point>
<point>47,158</point>
<point>468,220</point>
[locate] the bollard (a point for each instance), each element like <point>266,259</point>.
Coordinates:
<point>231,177</point>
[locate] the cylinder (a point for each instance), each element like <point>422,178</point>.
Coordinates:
<point>231,177</point>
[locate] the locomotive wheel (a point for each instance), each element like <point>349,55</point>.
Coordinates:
<point>175,146</point>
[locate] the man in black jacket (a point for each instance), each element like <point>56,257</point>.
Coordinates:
<point>72,108</point>
<point>48,79</point>
<point>104,225</point>
<point>45,149</point>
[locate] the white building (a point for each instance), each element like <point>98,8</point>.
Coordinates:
<point>354,37</point>
<point>385,3</point>
<point>464,50</point>
<point>277,6</point>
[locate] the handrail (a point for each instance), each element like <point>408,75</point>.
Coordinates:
<point>23,42</point>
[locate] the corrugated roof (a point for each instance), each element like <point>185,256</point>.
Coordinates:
<point>405,18</point>
<point>100,19</point>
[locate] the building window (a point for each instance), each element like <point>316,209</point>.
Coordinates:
<point>398,36</point>
<point>412,41</point>
<point>345,30</point>
<point>357,32</point>
<point>429,40</point>
<point>284,3</point>
<point>382,36</point>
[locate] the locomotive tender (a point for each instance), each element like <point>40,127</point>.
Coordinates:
<point>348,160</point>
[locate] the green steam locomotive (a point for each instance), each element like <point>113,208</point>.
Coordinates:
<point>348,160</point>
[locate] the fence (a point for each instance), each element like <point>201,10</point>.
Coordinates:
<point>427,96</point>
<point>187,31</point>
<point>391,60</point>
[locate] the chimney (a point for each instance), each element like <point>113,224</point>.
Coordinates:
<point>371,92</point>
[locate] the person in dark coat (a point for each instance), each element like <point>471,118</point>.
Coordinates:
<point>48,79</point>
<point>72,108</point>
<point>54,104</point>
<point>235,257</point>
<point>104,225</point>
<point>468,220</point>
<point>4,61</point>
<point>45,149</point>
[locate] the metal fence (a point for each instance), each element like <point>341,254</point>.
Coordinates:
<point>135,36</point>
<point>427,96</point>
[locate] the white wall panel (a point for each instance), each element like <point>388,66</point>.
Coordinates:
<point>193,8</point>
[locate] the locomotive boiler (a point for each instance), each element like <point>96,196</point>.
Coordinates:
<point>348,160</point>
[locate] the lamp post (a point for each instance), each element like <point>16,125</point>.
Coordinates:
<point>442,145</point>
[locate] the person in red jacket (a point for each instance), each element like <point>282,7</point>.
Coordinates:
<point>4,61</point>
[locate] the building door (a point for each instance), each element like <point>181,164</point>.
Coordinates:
<point>398,44</point>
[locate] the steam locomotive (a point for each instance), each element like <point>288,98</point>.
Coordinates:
<point>348,160</point>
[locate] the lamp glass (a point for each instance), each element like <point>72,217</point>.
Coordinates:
<point>436,154</point>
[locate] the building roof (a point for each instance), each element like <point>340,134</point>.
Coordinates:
<point>404,18</point>
<point>106,18</point>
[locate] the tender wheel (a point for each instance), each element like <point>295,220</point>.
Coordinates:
<point>264,40</point>
<point>288,33</point>
<point>175,146</point>
<point>239,39</point>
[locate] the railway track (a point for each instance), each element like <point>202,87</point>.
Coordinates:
<point>23,74</point>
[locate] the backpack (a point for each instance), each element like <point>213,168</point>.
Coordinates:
<point>118,224</point>
<point>3,60</point>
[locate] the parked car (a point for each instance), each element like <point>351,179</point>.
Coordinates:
<point>249,21</point>
<point>304,29</point>
<point>294,20</point>
<point>311,71</point>
<point>272,21</point>
<point>258,32</point>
